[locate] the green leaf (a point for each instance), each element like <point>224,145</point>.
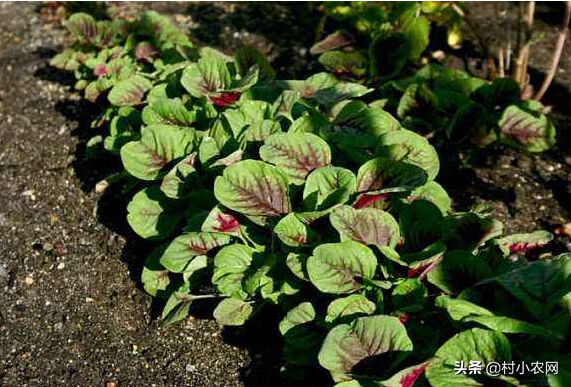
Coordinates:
<point>297,263</point>
<point>296,154</point>
<point>517,243</point>
<point>409,296</point>
<point>458,270</point>
<point>253,188</point>
<point>208,76</point>
<point>155,277</point>
<point>159,145</point>
<point>169,112</point>
<point>337,267</point>
<point>152,215</point>
<point>352,64</point>
<point>539,285</point>
<point>465,311</point>
<point>298,315</point>
<point>328,186</point>
<point>416,32</point>
<point>356,123</point>
<point>434,193</point>
<point>177,183</point>
<point>82,26</point>
<point>292,231</point>
<point>382,174</point>
<point>184,248</point>
<point>369,226</point>
<point>233,312</point>
<point>130,91</point>
<point>249,56</point>
<point>326,89</point>
<point>177,306</point>
<point>347,308</point>
<point>409,147</point>
<point>219,221</point>
<point>348,344</point>
<point>523,127</point>
<point>472,345</point>
<point>283,105</point>
<point>334,41</point>
<point>230,264</point>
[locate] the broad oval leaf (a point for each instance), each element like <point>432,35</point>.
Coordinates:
<point>221,222</point>
<point>347,308</point>
<point>151,214</point>
<point>369,226</point>
<point>292,231</point>
<point>298,315</point>
<point>232,312</point>
<point>130,91</point>
<point>328,186</point>
<point>169,112</point>
<point>471,345</point>
<point>338,267</point>
<point>177,182</point>
<point>382,174</point>
<point>158,146</point>
<point>230,265</point>
<point>411,148</point>
<point>296,154</point>
<point>253,188</point>
<point>347,344</point>
<point>184,248</point>
<point>526,128</point>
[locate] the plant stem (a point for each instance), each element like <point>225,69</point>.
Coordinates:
<point>556,53</point>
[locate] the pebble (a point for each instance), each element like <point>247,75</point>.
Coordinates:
<point>29,281</point>
<point>190,368</point>
<point>58,326</point>
<point>61,266</point>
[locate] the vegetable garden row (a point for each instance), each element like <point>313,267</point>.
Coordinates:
<point>320,196</point>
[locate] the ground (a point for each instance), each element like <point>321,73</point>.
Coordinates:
<point>71,310</point>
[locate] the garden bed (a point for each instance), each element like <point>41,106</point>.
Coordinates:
<point>72,311</point>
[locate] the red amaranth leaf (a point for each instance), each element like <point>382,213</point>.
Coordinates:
<point>100,70</point>
<point>522,247</point>
<point>225,99</point>
<point>226,223</point>
<point>415,272</point>
<point>145,51</point>
<point>410,378</point>
<point>368,200</point>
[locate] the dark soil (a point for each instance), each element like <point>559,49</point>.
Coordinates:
<point>71,310</point>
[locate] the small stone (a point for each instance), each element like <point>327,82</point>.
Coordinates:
<point>54,218</point>
<point>29,281</point>
<point>29,193</point>
<point>59,248</point>
<point>58,326</point>
<point>61,266</point>
<point>190,368</point>
<point>48,246</point>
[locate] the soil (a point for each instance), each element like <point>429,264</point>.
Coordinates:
<point>72,311</point>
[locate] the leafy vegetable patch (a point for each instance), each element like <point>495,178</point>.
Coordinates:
<point>297,194</point>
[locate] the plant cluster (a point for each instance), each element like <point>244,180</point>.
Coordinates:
<point>297,194</point>
<point>386,43</point>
